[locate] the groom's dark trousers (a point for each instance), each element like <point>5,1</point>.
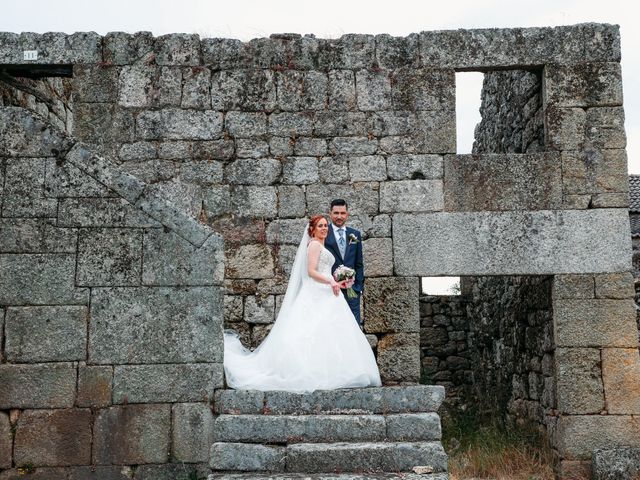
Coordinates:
<point>352,259</point>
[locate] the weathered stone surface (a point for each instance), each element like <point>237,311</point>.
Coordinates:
<point>23,134</point>
<point>259,309</point>
<point>286,231</point>
<point>291,201</point>
<point>411,196</point>
<point>63,179</point>
<point>181,382</point>
<point>331,124</point>
<point>296,90</point>
<point>361,197</point>
<point>502,182</point>
<point>573,286</point>
<point>254,201</point>
<point>44,385</point>
<point>413,427</point>
<point>122,48</point>
<point>300,170</point>
<point>290,124</point>
<point>423,89</point>
<point>251,148</point>
<point>391,305</point>
<point>414,167</point>
<point>104,126</point>
<point>565,127</point>
<point>342,90</point>
<point>94,386</point>
<point>53,437</point>
<point>594,171</point>
<point>249,261</point>
<point>353,146</point>
<point>583,85</point>
<point>354,457</point>
<point>615,285</point>
<point>437,133</point>
<point>46,334</point>
<point>580,435</point>
<point>171,260</point>
<point>265,171</point>
<point>113,442</point>
<point>243,89</point>
<point>373,90</point>
<point>101,212</point>
<point>196,83</point>
<point>192,432</point>
<point>24,194</point>
<point>109,257</point>
<point>616,463</point>
<point>598,323</point>
<point>503,243</point>
<point>178,49</point>
<point>399,357</point>
<point>102,472</point>
<point>246,457</point>
<point>156,325</point>
<point>238,402</point>
<point>6,441</point>
<point>176,124</point>
<point>40,280</point>
<point>368,168</point>
<point>579,380</point>
<point>172,471</point>
<point>53,47</point>
<point>378,257</point>
<point>245,124</point>
<point>620,371</point>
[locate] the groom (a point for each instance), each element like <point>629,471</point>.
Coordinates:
<point>346,245</point>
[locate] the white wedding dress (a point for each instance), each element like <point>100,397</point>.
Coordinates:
<point>315,343</point>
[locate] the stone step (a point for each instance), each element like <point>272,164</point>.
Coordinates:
<point>329,476</point>
<point>352,401</point>
<point>329,457</point>
<point>273,429</point>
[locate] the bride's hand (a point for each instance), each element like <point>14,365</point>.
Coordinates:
<point>335,286</point>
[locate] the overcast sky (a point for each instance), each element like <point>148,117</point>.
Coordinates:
<point>246,19</point>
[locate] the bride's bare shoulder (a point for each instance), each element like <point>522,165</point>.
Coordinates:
<point>313,242</point>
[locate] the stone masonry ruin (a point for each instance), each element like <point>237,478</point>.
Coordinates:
<point>153,191</point>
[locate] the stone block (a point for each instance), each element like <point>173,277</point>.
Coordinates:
<point>43,385</point>
<point>102,212</point>
<point>413,427</point>
<point>373,90</point>
<point>243,89</point>
<point>192,432</point>
<point>138,151</point>
<point>598,323</point>
<point>594,171</point>
<point>178,49</point>
<point>580,435</point>
<point>615,285</point>
<point>609,200</point>
<point>334,169</point>
<point>331,124</point>
<point>36,235</point>
<point>583,85</point>
<point>102,472</point>
<point>573,286</point>
<point>46,279</point>
<point>172,471</point>
<point>46,334</point>
<point>516,242</point>
<point>6,441</point>
<point>136,85</point>
<point>399,357</point>
<point>602,42</point>
<point>216,200</point>
<point>238,402</point>
<point>437,133</point>
<point>616,463</point>
<point>109,257</point>
<point>301,90</point>
<point>259,309</point>
<point>53,47</point>
<point>378,257</point>
<point>201,172</point>
<point>254,201</point>
<point>362,198</point>
<point>247,457</point>
<point>411,196</point>
<point>415,167</point>
<point>286,231</point>
<point>123,48</point>
<point>249,261</point>
<point>94,386</point>
<point>63,179</point>
<point>300,170</point>
<point>95,83</point>
<point>502,182</point>
<point>171,260</point>
<point>233,309</point>
<point>176,124</point>
<point>356,457</point>
<point>291,124</point>
<point>23,134</point>
<point>620,373</point>
<point>423,89</point>
<point>53,438</point>
<point>156,325</point>
<point>196,86</point>
<point>113,442</point>
<point>181,382</point>
<point>291,201</point>
<point>395,52</point>
<point>579,380</point>
<point>310,146</point>
<point>246,124</point>
<point>369,168</point>
<point>24,193</point>
<point>391,304</point>
<point>251,148</point>
<point>605,128</point>
<point>353,146</point>
<point>281,146</point>
<point>104,126</point>
<point>341,90</point>
<point>565,128</point>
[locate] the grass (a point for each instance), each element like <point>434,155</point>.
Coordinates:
<point>481,448</point>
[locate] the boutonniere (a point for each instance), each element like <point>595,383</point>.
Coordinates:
<point>353,239</point>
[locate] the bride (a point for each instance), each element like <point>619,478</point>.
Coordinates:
<point>315,343</point>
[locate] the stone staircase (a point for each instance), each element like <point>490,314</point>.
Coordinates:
<point>364,433</point>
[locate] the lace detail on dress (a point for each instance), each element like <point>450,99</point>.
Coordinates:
<point>325,262</point>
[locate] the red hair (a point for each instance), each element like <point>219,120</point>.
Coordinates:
<point>313,223</point>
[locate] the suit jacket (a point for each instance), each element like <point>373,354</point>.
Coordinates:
<point>352,255</point>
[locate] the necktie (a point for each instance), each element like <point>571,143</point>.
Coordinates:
<point>341,241</point>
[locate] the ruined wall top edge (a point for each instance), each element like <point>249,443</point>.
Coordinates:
<point>461,49</point>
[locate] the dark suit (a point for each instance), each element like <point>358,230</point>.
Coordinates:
<point>352,259</point>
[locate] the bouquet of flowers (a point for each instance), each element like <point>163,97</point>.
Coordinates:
<point>345,273</point>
